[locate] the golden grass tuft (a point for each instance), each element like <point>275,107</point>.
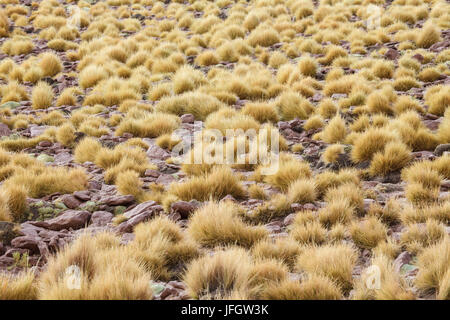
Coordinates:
<point>145,124</point>
<point>335,131</point>
<point>220,224</point>
<point>162,247</point>
<point>18,287</point>
<point>289,170</point>
<point>104,273</point>
<point>428,36</point>
<point>370,142</point>
<point>285,250</point>
<point>50,64</point>
<point>261,112</point>
<point>16,200</point>
<point>394,157</point>
<point>196,103</point>
<point>219,276</point>
<point>392,286</point>
<point>334,261</point>
<point>218,183</point>
<point>86,150</point>
<point>368,233</point>
<point>433,268</point>
<point>42,96</point>
<point>302,191</point>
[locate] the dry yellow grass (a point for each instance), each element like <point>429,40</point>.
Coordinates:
<point>96,107</point>
<point>220,224</point>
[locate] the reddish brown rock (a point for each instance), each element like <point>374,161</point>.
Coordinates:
<point>4,130</point>
<point>140,208</point>
<point>70,201</point>
<point>101,218</point>
<point>118,200</point>
<point>391,54</point>
<point>82,195</point>
<point>70,219</point>
<point>187,118</point>
<point>27,242</point>
<point>184,208</point>
<point>128,225</point>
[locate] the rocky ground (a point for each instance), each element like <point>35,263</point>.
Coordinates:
<point>55,220</point>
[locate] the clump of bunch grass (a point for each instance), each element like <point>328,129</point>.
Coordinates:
<point>217,184</point>
<point>334,261</point>
<point>220,223</point>
<point>104,272</point>
<point>162,247</point>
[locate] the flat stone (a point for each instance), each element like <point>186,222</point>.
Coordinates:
<point>118,200</point>
<point>82,195</point>
<point>70,219</point>
<point>4,130</point>
<point>440,149</point>
<point>101,218</point>
<point>70,201</point>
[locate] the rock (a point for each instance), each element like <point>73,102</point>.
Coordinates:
<point>7,232</point>
<point>187,118</point>
<point>418,57</point>
<point>37,130</point>
<point>70,201</point>
<point>70,219</point>
<point>296,125</point>
<point>152,173</point>
<point>118,200</point>
<point>165,179</point>
<point>4,130</point>
<point>184,208</point>
<point>228,197</point>
<point>391,54</point>
<point>155,152</point>
<point>128,225</point>
<point>283,125</point>
<point>45,144</point>
<point>101,218</point>
<point>140,208</point>
<point>296,206</point>
<point>63,158</point>
<point>177,284</point>
<point>289,219</point>
<point>27,242</point>
<point>274,226</point>
<point>439,46</point>
<point>95,185</point>
<point>82,195</point>
<point>157,288</point>
<point>440,149</point>
<point>338,96</point>
<point>45,158</point>
<point>403,258</point>
<point>10,104</point>
<point>167,292</point>
<point>433,125</point>
<point>309,206</point>
<point>409,270</point>
<point>126,238</point>
<point>174,216</point>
